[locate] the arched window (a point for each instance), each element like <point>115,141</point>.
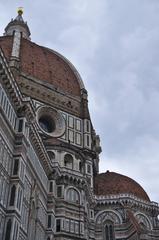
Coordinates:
<point>8,230</point>
<point>12,196</point>
<point>73,196</point>
<point>68,161</point>
<point>109,231</point>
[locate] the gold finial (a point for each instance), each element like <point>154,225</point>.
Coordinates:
<point>20,11</point>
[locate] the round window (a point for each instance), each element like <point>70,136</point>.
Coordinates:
<point>50,121</point>
<point>47,123</point>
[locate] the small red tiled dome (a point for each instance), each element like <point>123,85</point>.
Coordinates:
<point>114,183</point>
<point>46,65</point>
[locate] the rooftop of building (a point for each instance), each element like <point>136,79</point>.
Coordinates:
<point>114,183</point>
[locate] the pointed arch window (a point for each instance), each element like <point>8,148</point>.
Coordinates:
<point>109,231</point>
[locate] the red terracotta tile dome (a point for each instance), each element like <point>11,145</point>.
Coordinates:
<point>46,65</point>
<point>115,183</point>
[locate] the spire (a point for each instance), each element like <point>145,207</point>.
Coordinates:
<point>18,25</point>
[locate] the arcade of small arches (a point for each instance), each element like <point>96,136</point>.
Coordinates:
<point>69,161</point>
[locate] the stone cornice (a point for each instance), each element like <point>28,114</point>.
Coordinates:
<point>125,200</point>
<point>49,95</point>
<point>68,177</point>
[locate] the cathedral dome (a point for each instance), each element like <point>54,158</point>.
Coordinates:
<point>39,62</point>
<point>113,183</point>
<point>46,65</point>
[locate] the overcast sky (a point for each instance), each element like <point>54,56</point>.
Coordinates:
<point>115,47</point>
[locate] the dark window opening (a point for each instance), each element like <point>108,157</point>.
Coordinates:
<point>58,225</point>
<point>47,123</point>
<point>49,221</point>
<point>80,167</point>
<point>88,168</point>
<point>109,231</point>
<point>87,140</point>
<point>12,196</point>
<point>19,199</point>
<point>59,191</point>
<point>16,166</point>
<point>20,127</point>
<point>8,230</point>
<point>51,187</point>
<point>87,126</point>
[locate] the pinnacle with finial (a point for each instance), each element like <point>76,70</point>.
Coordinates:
<point>18,25</point>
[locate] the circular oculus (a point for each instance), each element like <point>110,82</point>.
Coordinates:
<point>51,122</point>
